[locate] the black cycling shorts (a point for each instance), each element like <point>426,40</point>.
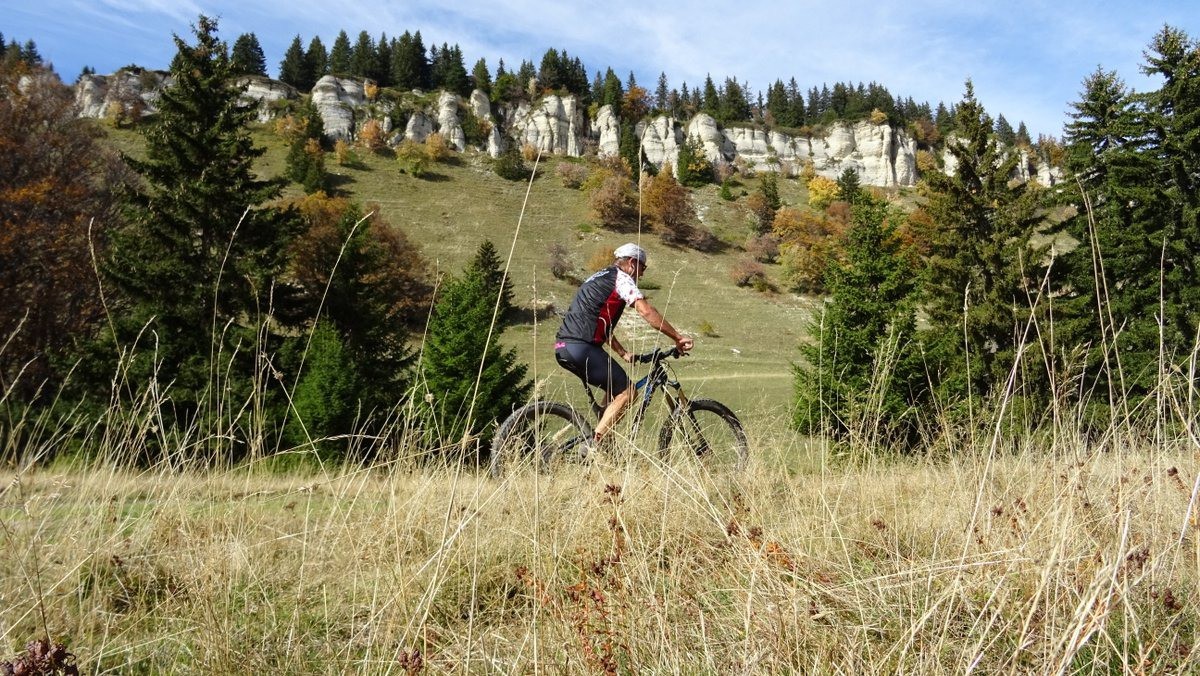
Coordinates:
<point>592,364</point>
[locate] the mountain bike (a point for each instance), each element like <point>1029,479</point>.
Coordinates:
<point>547,433</point>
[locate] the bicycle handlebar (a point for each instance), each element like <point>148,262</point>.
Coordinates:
<point>658,355</point>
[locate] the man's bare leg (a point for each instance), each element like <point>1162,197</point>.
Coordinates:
<point>614,411</point>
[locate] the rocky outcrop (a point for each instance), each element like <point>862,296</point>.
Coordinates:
<point>135,92</point>
<point>265,93</point>
<point>882,155</point>
<point>556,125</point>
<point>336,100</point>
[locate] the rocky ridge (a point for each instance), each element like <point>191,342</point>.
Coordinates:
<point>882,155</point>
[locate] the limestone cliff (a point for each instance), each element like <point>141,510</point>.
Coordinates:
<point>882,155</point>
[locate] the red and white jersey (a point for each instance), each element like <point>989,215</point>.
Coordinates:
<point>598,305</point>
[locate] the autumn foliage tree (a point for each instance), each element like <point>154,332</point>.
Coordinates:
<point>668,206</point>
<point>56,185</point>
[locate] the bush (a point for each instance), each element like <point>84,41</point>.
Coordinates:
<point>763,248</point>
<point>668,206</point>
<point>601,258</point>
<point>560,260</point>
<point>370,136</point>
<point>413,158</point>
<point>529,152</point>
<point>748,272</point>
<point>344,154</point>
<point>707,329</point>
<point>822,192</point>
<point>571,174</point>
<point>510,166</point>
<point>614,203</point>
<point>436,147</point>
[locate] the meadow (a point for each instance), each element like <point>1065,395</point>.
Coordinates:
<point>1049,551</point>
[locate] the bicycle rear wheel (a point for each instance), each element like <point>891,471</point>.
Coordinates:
<point>540,435</point>
<point>707,432</point>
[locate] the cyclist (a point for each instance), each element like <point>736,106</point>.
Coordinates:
<point>589,323</point>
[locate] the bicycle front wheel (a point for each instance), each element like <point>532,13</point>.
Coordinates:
<point>540,435</point>
<point>707,432</point>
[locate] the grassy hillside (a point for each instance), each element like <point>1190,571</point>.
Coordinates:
<point>450,211</point>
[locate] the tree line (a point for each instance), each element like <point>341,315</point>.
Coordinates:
<point>404,63</point>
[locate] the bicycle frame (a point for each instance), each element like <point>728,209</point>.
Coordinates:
<point>657,379</point>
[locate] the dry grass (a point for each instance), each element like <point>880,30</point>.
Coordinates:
<point>1077,560</point>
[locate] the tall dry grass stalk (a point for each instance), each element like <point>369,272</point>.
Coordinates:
<point>1082,559</point>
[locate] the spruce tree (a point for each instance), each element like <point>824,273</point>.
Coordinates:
<point>316,61</point>
<point>487,260</point>
<point>982,256</point>
<point>247,56</point>
<point>341,56</point>
<point>481,78</point>
<point>198,258</point>
<point>862,372</point>
<point>462,338</point>
<point>306,157</point>
<point>293,69</point>
<point>362,56</point>
<point>1136,157</point>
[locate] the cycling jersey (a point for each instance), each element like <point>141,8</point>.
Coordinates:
<point>598,305</point>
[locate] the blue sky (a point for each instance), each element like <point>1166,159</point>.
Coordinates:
<point>1027,59</point>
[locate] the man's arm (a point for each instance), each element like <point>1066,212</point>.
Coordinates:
<point>654,318</point>
<point>619,349</point>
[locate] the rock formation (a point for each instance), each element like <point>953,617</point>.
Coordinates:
<point>882,155</point>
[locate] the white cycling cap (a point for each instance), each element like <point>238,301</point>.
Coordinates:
<point>631,250</point>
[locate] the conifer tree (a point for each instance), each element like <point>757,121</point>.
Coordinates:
<point>341,56</point>
<point>472,381</point>
<point>371,284</point>
<point>247,56</point>
<point>712,99</point>
<point>198,258</point>
<point>692,166</point>
<point>1136,157</point>
<point>661,92</point>
<point>982,257</point>
<point>293,69</point>
<point>306,157</point>
<point>316,61</point>
<point>362,56</point>
<point>862,371</point>
<point>481,78</point>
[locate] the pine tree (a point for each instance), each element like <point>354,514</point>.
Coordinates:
<point>487,260</point>
<point>407,65</point>
<point>247,56</point>
<point>198,258</point>
<point>362,57</point>
<point>661,94</point>
<point>341,56</point>
<point>293,67</point>
<point>862,373</point>
<point>316,62</point>
<point>692,168</point>
<point>712,99</point>
<point>983,256</point>
<point>1136,158</point>
<point>481,78</point>
<point>306,159</point>
<point>462,339</point>
<point>371,284</point>
<point>1004,132</point>
<point>381,65</point>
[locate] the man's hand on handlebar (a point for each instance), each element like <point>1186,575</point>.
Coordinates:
<point>684,345</point>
